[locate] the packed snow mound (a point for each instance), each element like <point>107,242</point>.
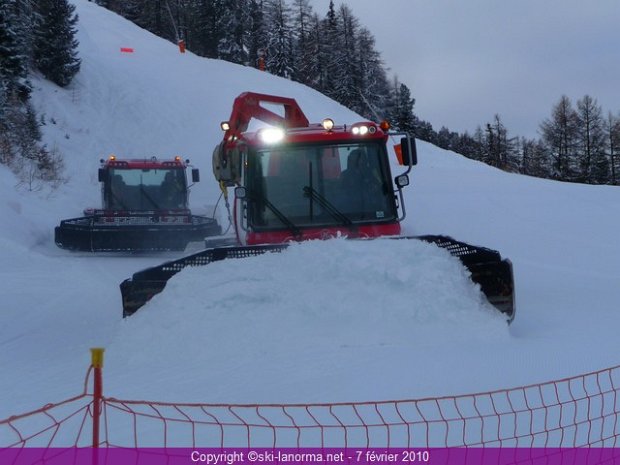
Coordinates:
<point>321,297</point>
<point>383,279</point>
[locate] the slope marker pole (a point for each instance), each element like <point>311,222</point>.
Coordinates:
<point>97,364</point>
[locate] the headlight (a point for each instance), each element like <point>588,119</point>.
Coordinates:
<point>360,130</point>
<point>271,135</point>
<point>328,124</point>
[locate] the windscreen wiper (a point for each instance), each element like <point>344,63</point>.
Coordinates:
<point>329,208</point>
<point>118,201</point>
<point>281,216</point>
<point>148,197</point>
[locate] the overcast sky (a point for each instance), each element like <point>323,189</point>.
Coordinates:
<point>466,60</point>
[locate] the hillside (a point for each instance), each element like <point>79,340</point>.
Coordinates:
<point>561,238</point>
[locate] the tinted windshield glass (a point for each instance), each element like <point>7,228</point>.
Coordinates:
<point>352,178</point>
<point>148,189</point>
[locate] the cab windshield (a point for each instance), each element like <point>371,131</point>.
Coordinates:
<point>146,189</point>
<point>320,185</point>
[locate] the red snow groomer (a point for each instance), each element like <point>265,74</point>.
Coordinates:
<point>144,208</point>
<point>295,181</point>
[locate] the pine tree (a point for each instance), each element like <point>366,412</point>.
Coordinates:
<point>502,150</point>
<point>55,46</point>
<point>535,159</point>
<point>345,71</point>
<point>374,88</point>
<point>494,148</point>
<point>425,131</point>
<point>480,141</point>
<point>304,47</point>
<point>612,134</point>
<point>203,23</point>
<point>313,61</point>
<point>591,140</point>
<point>153,17</point>
<point>34,165</point>
<point>130,9</point>
<point>25,17</point>
<point>20,135</point>
<point>329,61</point>
<point>14,85</point>
<point>280,38</point>
<point>256,39</point>
<point>559,134</point>
<point>401,110</point>
<point>232,22</point>
<point>442,139</point>
<point>13,59</point>
<point>467,145</point>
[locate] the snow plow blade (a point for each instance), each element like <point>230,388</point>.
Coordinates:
<point>139,232</point>
<point>487,268</point>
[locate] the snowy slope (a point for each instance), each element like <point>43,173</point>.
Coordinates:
<point>322,322</point>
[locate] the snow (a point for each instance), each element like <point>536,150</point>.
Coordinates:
<point>323,321</point>
<point>301,316</point>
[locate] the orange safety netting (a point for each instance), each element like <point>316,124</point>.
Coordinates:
<point>573,412</point>
<point>63,424</point>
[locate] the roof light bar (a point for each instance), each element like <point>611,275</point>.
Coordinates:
<point>362,129</point>
<point>271,135</point>
<point>359,130</point>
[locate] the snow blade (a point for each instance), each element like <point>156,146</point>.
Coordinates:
<point>133,233</point>
<point>487,268</point>
<point>144,284</point>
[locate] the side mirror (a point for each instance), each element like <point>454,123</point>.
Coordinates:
<point>406,155</point>
<point>241,193</point>
<point>401,181</point>
<point>103,175</point>
<point>195,175</point>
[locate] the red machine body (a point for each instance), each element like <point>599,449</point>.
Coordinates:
<point>291,177</point>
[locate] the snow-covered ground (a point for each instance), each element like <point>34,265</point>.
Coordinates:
<point>324,321</point>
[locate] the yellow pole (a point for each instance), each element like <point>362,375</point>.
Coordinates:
<point>97,357</point>
<point>97,364</point>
